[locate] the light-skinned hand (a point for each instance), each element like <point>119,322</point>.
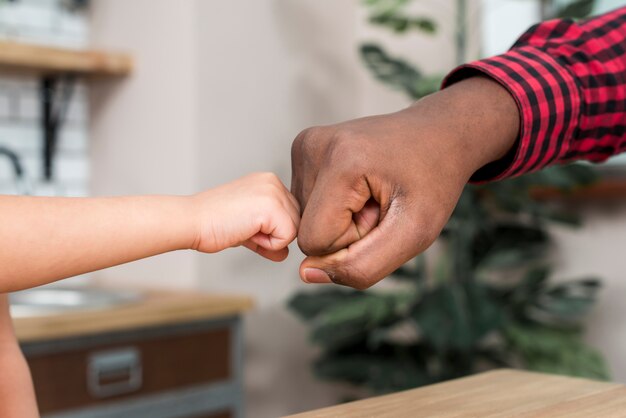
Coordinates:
<point>256,211</point>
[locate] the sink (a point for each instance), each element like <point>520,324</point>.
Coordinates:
<point>49,301</point>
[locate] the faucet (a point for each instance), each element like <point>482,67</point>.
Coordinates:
<point>21,182</point>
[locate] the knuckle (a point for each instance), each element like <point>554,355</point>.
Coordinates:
<point>310,241</point>
<point>311,145</point>
<point>270,188</point>
<point>308,245</point>
<point>302,139</point>
<point>346,136</point>
<point>292,232</point>
<point>259,179</point>
<point>269,177</point>
<point>266,204</point>
<point>347,149</point>
<point>349,138</point>
<point>307,133</point>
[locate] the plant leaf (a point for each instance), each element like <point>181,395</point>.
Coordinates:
<point>309,305</point>
<point>395,72</point>
<point>566,303</point>
<point>351,320</point>
<point>556,351</point>
<point>401,23</point>
<point>577,9</point>
<point>456,317</point>
<point>379,372</point>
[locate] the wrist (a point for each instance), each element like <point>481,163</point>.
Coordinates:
<point>477,120</point>
<point>191,230</point>
<point>204,216</point>
<point>179,220</point>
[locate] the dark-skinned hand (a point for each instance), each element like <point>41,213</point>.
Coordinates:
<point>377,191</point>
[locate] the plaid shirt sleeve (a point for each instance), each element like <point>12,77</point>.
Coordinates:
<point>569,81</point>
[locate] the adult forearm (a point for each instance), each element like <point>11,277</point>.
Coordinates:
<point>47,239</point>
<point>569,81</point>
<point>472,123</point>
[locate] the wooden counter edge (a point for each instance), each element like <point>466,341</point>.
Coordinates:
<point>157,308</point>
<point>393,400</point>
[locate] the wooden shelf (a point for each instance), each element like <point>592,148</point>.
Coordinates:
<point>55,66</point>
<point>50,60</point>
<point>606,189</point>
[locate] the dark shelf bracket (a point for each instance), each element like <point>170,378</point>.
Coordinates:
<point>55,95</point>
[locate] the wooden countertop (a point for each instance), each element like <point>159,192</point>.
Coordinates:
<point>157,308</point>
<point>496,394</point>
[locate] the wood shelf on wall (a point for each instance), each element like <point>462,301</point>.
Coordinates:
<point>30,58</point>
<point>606,189</point>
<point>58,69</point>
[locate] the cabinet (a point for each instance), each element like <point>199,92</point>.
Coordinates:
<point>173,369</point>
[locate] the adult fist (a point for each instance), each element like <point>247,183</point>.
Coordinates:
<point>377,191</point>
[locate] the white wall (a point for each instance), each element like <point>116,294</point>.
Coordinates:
<point>504,21</point>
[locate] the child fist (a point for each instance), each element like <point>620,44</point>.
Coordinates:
<point>256,211</point>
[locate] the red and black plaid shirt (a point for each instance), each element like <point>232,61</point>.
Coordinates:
<point>569,81</point>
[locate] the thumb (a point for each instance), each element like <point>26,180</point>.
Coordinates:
<point>396,239</point>
<point>340,210</point>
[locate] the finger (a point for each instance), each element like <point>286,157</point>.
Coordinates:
<point>306,158</point>
<point>340,211</point>
<point>297,169</point>
<point>397,239</point>
<point>276,231</point>
<point>292,199</point>
<point>273,255</point>
<point>291,205</point>
<point>286,199</point>
<point>367,218</point>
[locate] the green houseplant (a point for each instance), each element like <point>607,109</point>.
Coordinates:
<point>486,299</point>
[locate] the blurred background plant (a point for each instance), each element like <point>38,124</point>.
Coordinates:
<point>486,298</point>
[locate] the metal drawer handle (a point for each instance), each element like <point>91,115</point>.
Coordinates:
<point>114,372</point>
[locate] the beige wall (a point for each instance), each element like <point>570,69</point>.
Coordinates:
<point>220,90</point>
<point>144,128</point>
<point>598,250</point>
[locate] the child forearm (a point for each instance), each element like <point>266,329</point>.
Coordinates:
<point>46,239</point>
<point>17,397</point>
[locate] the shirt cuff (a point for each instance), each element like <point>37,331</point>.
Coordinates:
<point>548,100</point>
